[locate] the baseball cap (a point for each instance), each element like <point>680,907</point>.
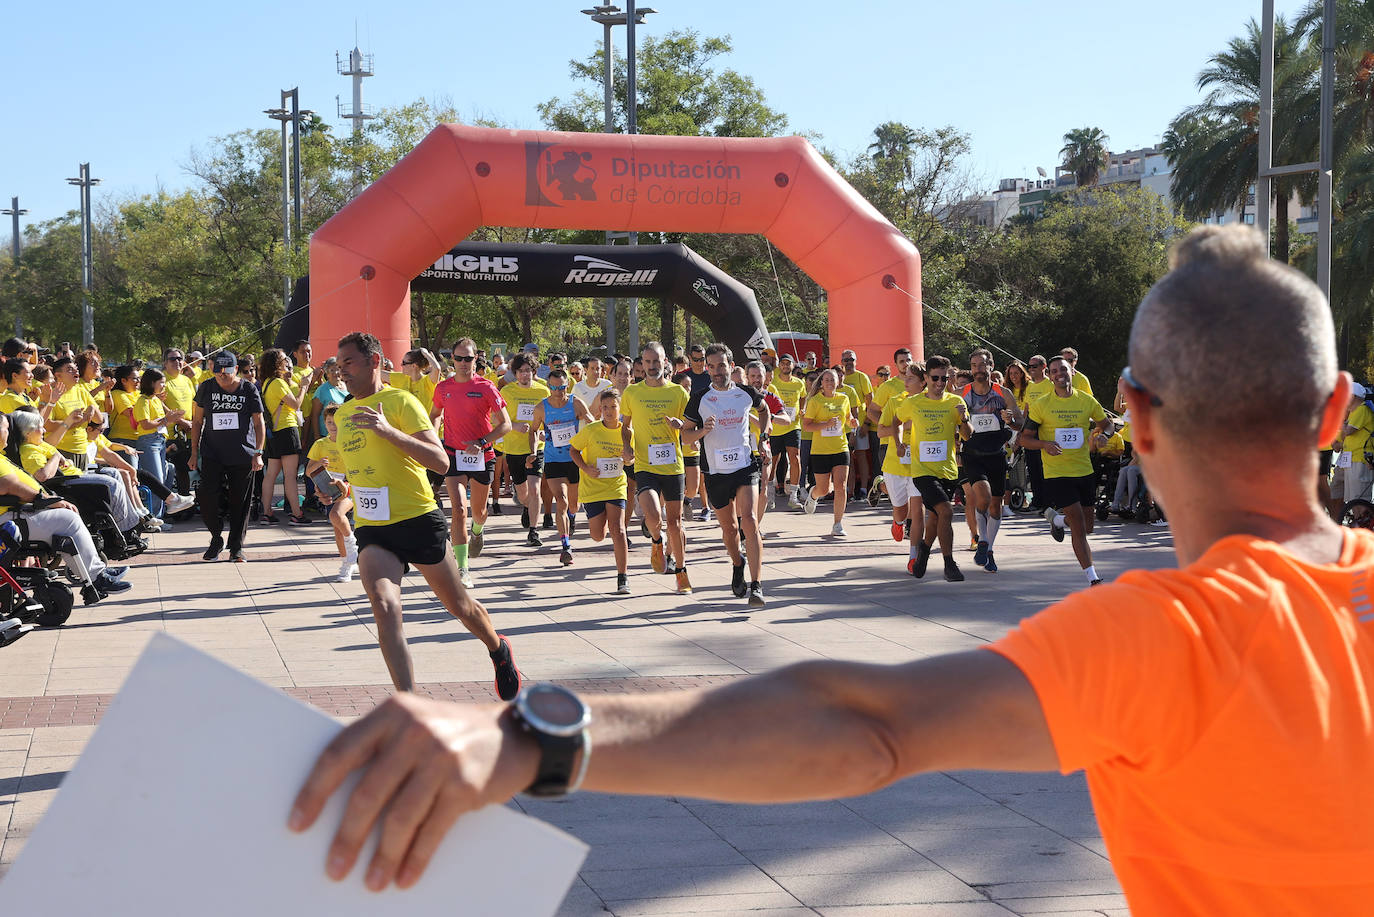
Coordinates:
<point>769,352</point>
<point>225,360</point>
<point>1358,390</point>
<point>529,347</point>
<point>195,356</point>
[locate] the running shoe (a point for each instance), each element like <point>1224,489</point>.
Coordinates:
<point>838,531</point>
<point>973,543</point>
<point>980,554</point>
<point>507,675</point>
<point>898,531</point>
<point>267,519</point>
<point>756,594</point>
<point>952,571</point>
<point>737,585</point>
<point>178,502</point>
<point>1056,531</point>
<point>991,565</point>
<point>684,585</point>
<point>548,522</point>
<point>475,542</point>
<point>704,513</point>
<point>216,545</point>
<point>108,585</point>
<point>792,501</point>
<point>918,569</point>
<point>622,584</point>
<point>465,577</point>
<point>565,558</point>
<point>810,506</point>
<point>525,518</point>
<point>656,557</point>
<point>496,508</point>
<point>346,571</point>
<point>532,539</point>
<point>1096,582</point>
<point>873,492</point>
<point>236,557</point>
<point>302,519</point>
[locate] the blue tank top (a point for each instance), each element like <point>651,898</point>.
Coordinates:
<point>559,425</point>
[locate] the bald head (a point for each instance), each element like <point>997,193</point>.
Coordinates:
<point>1222,308</point>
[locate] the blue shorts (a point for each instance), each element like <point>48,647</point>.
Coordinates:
<point>597,507</point>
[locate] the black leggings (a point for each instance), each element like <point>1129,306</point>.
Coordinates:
<point>225,496</point>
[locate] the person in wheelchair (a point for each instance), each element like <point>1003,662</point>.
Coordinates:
<point>45,517</point>
<point>100,499</point>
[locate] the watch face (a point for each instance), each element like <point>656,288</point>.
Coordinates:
<point>553,709</point>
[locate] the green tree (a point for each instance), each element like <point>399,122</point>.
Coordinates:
<point>1085,154</point>
<point>1214,146</point>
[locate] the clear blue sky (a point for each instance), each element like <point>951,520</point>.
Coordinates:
<point>133,88</point>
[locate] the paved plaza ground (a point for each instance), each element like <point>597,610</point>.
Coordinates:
<point>963,844</point>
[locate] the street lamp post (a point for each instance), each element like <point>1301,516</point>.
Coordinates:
<point>290,161</point>
<point>85,182</point>
<point>609,15</point>
<point>15,213</point>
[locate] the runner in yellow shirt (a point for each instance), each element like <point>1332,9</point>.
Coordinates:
<point>598,451</point>
<point>652,433</point>
<point>1066,419</point>
<point>325,459</point>
<point>74,408</point>
<point>786,437</point>
<point>932,425</point>
<point>829,418</point>
<point>387,442</point>
<point>896,471</point>
<point>858,381</point>
<point>526,465</point>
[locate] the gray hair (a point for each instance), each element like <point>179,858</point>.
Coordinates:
<point>1225,301</point>
<point>26,422</point>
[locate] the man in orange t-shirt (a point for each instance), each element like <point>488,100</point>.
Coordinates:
<point>1222,711</point>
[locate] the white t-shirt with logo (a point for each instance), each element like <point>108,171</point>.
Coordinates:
<point>726,447</point>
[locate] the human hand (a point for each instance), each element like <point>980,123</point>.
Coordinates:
<point>426,763</point>
<point>674,422</point>
<point>368,418</point>
<point>1053,449</point>
<point>257,463</point>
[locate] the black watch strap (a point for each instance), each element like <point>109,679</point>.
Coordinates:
<point>557,759</point>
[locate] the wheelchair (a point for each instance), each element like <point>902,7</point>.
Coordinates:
<point>37,595</point>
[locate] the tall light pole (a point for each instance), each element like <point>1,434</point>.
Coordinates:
<point>609,15</point>
<point>290,161</point>
<point>15,213</point>
<point>85,182</point>
<point>1267,170</point>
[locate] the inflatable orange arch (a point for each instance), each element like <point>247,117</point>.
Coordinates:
<point>459,178</point>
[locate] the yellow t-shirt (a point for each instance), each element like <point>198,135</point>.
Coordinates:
<point>324,449</point>
<point>283,417</point>
<point>520,405</point>
<point>388,485</point>
<point>35,455</point>
<point>180,395</point>
<point>73,399</point>
<point>120,425</point>
<point>1066,421</point>
<point>149,408</point>
<point>658,447</point>
<point>203,375</point>
<point>892,463</point>
<point>893,387</point>
<point>863,387</point>
<point>1081,383</point>
<point>7,468</point>
<point>792,394</point>
<point>594,442</point>
<point>834,411</point>
<point>422,388</point>
<point>11,400</point>
<point>934,434</point>
<point>1357,443</point>
<point>1035,390</point>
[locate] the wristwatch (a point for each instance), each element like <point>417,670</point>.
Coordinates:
<point>558,720</point>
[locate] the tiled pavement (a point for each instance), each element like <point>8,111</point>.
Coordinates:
<point>964,844</point>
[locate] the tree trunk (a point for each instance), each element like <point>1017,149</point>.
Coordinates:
<point>1280,252</point>
<point>666,329</point>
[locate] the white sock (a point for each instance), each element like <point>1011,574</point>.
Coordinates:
<point>982,525</point>
<point>351,549</point>
<point>994,524</point>
<point>1058,521</point>
<point>1090,572</point>
<point>913,549</point>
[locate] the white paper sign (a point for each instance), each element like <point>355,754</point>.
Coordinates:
<point>1343,460</point>
<point>179,802</point>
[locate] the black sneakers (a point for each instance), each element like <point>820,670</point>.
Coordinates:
<point>918,569</point>
<point>216,545</point>
<point>756,594</point>
<point>507,675</point>
<point>533,540</point>
<point>952,571</point>
<point>525,518</point>
<point>737,582</point>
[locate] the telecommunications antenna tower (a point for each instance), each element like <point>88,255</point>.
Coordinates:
<point>359,66</point>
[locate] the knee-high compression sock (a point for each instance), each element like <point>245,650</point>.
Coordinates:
<point>994,525</point>
<point>460,554</point>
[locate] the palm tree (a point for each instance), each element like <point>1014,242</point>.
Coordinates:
<point>1085,154</point>
<point>893,144</point>
<point>1214,146</point>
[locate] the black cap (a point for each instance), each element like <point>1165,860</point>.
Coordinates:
<point>225,360</point>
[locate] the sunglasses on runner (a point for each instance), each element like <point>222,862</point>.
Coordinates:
<point>461,359</point>
<point>936,378</point>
